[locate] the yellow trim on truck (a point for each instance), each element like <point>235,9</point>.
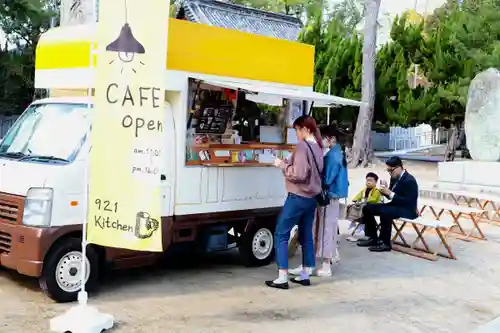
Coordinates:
<point>197,48</point>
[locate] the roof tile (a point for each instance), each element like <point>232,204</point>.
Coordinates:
<point>231,16</point>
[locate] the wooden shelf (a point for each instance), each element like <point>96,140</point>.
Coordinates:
<point>236,164</point>
<point>245,146</point>
<point>233,155</point>
<point>242,155</point>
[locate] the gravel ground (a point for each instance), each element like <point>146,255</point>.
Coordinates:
<point>386,292</point>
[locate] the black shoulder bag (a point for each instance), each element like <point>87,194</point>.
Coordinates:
<point>322,198</point>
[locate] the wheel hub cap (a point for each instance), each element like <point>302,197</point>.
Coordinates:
<point>68,271</point>
<point>262,244</point>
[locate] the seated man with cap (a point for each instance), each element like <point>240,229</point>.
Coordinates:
<point>403,195</point>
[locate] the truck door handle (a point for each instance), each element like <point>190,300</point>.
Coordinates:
<point>163,177</point>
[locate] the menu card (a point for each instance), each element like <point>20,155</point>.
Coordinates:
<point>214,120</point>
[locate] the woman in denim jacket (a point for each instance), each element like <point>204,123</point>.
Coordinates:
<point>335,173</point>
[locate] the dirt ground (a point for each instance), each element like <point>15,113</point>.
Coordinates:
<point>386,292</point>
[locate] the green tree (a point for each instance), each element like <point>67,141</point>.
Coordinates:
<point>450,49</point>
<point>460,43</point>
<point>421,75</point>
<point>401,103</point>
<point>337,57</point>
<point>22,22</point>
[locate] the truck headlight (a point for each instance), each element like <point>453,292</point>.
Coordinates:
<point>38,207</point>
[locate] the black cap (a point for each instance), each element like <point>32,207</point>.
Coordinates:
<point>394,162</point>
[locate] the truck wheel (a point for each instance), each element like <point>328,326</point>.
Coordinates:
<point>60,278</point>
<point>257,246</point>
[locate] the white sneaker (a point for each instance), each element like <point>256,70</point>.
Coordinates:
<point>296,271</point>
<point>336,259</point>
<point>352,239</point>
<point>324,272</point>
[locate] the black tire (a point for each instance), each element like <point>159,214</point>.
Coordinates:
<point>246,244</point>
<point>48,282</point>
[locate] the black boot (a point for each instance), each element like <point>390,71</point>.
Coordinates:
<point>303,282</point>
<point>367,242</point>
<point>380,248</point>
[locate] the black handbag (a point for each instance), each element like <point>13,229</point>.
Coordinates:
<point>323,198</point>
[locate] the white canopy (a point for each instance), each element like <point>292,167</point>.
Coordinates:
<point>274,95</point>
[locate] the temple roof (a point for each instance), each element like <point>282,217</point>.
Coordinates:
<point>231,16</point>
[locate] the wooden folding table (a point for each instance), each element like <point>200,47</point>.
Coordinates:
<point>439,207</point>
<point>422,226</point>
<point>482,200</point>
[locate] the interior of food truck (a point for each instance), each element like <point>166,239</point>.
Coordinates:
<point>237,127</point>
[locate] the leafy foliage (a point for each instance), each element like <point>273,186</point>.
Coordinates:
<point>338,56</point>
<point>448,49</point>
<point>460,42</point>
<point>22,21</point>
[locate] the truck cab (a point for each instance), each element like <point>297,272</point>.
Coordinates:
<point>42,158</point>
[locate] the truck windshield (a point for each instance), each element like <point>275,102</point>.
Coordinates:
<point>50,133</point>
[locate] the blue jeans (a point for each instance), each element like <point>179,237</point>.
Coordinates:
<point>296,210</point>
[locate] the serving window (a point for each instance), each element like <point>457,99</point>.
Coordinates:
<point>235,127</point>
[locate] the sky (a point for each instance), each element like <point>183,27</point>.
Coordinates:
<point>389,9</point>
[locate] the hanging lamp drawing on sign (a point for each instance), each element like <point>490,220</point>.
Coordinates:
<point>126,45</point>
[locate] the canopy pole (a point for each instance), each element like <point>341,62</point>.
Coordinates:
<point>328,109</point>
<point>311,108</point>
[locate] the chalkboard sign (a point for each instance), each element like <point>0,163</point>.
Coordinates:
<point>213,120</point>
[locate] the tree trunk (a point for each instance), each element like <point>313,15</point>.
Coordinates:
<point>451,146</point>
<point>461,143</point>
<point>461,137</point>
<point>361,145</point>
<point>368,155</point>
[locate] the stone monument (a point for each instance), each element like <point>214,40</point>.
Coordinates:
<point>482,117</point>
<point>482,120</point>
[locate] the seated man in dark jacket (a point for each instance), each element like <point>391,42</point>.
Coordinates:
<point>403,195</point>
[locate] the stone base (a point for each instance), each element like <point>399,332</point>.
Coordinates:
<point>82,319</point>
<point>471,175</point>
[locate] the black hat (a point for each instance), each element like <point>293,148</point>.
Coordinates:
<point>394,162</point>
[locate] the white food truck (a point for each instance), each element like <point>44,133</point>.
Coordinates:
<point>218,189</point>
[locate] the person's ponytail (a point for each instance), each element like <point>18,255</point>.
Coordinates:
<point>318,137</point>
<point>344,155</point>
